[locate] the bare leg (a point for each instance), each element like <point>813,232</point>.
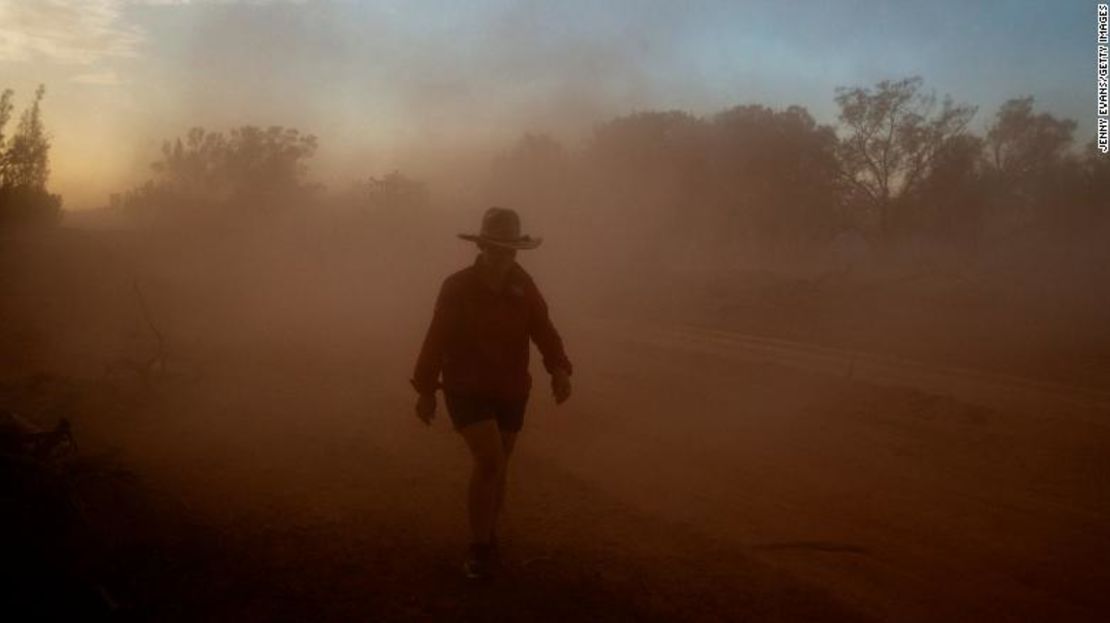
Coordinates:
<point>508,439</point>
<point>485,443</point>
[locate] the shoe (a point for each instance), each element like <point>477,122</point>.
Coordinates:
<point>479,561</point>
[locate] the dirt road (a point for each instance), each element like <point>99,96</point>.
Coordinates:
<point>292,485</point>
<point>679,483</point>
<point>909,504</point>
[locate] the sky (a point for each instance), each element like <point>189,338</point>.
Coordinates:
<point>423,85</point>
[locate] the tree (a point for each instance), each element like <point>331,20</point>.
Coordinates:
<point>653,142</point>
<point>647,166</point>
<point>892,135</point>
<point>951,200</point>
<point>1095,199</point>
<point>5,116</point>
<point>1021,143</point>
<point>391,193</point>
<point>250,170</point>
<point>773,171</point>
<point>26,162</point>
<point>25,166</point>
<point>1033,173</point>
<point>1097,169</point>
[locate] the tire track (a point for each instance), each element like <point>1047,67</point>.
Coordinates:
<point>974,386</point>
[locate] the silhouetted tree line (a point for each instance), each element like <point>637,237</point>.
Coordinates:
<point>394,205</point>
<point>900,164</point>
<point>393,194</point>
<point>211,176</point>
<point>25,166</point>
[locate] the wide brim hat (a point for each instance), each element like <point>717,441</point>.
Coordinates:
<point>501,227</point>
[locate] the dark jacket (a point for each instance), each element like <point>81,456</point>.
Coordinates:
<point>478,338</point>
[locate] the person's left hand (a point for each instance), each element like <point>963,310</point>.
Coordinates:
<point>560,386</point>
<point>426,407</point>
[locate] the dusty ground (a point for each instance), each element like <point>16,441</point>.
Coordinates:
<point>339,504</point>
<point>278,474</point>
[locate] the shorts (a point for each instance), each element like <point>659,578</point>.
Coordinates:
<point>466,410</point>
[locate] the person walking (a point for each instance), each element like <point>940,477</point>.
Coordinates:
<point>478,339</point>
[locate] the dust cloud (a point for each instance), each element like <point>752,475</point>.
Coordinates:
<point>791,400</point>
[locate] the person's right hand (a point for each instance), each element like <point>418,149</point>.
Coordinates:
<point>426,408</point>
<point>560,386</point>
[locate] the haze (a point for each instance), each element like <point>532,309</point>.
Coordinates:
<point>833,278</point>
<point>395,85</point>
